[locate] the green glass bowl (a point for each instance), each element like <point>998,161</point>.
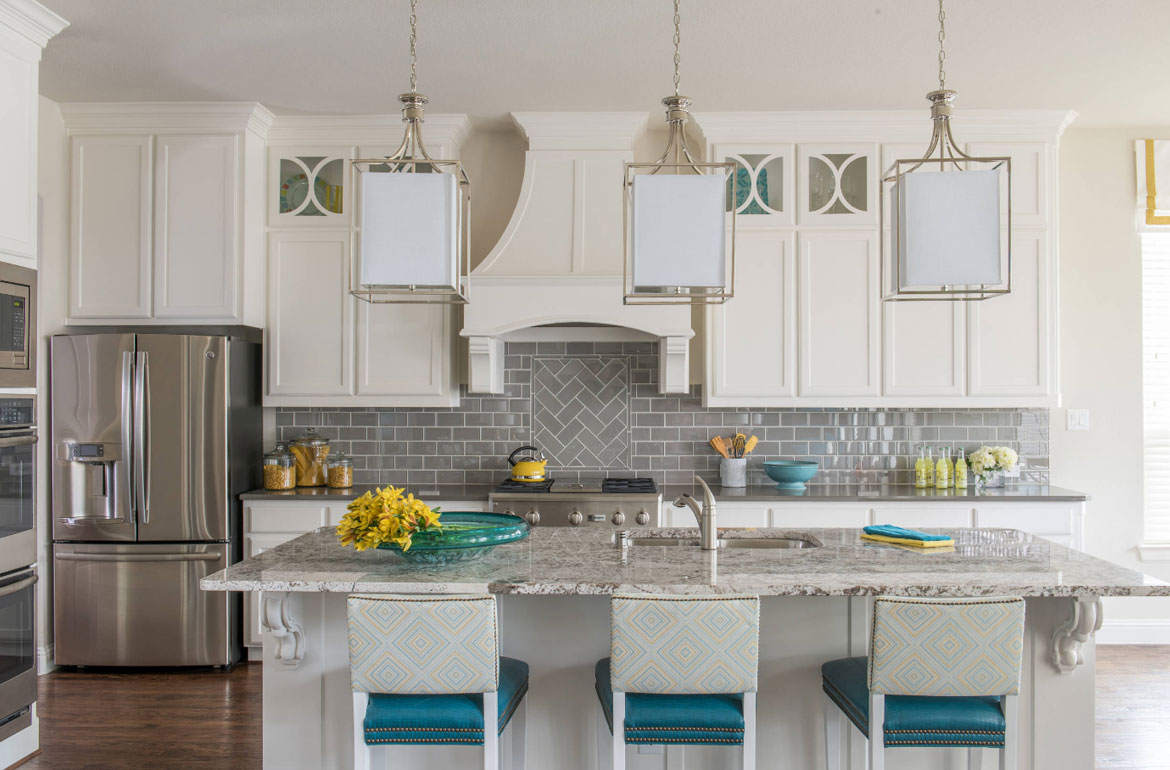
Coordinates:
<point>463,537</point>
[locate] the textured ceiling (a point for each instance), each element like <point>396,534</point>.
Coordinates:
<point>490,57</point>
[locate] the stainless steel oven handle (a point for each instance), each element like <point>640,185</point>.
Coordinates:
<point>142,435</point>
<point>209,556</point>
<point>19,585</point>
<point>18,441</point>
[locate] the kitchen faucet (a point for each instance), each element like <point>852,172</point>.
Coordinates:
<point>704,515</point>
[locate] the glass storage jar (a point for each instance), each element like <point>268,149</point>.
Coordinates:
<point>340,471</point>
<point>310,450</point>
<point>279,470</point>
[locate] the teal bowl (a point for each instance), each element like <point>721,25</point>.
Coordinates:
<point>790,474</point>
<point>463,537</point>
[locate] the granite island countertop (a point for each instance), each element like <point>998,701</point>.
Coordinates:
<point>572,561</point>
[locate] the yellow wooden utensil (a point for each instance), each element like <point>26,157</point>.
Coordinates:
<point>738,444</point>
<point>750,445</point>
<point>719,446</point>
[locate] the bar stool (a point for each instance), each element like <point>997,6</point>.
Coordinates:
<point>427,670</point>
<point>940,672</point>
<point>682,670</point>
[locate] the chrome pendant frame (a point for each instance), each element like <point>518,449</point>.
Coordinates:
<point>675,159</point>
<point>942,152</point>
<point>411,157</point>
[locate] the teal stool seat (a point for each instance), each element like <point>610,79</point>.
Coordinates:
<point>690,719</point>
<point>443,719</point>
<point>915,720</point>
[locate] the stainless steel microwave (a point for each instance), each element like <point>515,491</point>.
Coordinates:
<point>18,332</point>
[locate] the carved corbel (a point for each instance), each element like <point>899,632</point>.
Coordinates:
<point>287,635</point>
<point>1073,633</point>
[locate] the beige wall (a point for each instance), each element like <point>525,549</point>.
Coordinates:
<point>1101,349</point>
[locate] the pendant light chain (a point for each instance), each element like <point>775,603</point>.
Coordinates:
<point>677,38</point>
<point>414,42</point>
<point>942,53</point>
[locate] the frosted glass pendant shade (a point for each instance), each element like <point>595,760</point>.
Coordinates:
<point>678,230</point>
<point>948,228</point>
<point>409,230</point>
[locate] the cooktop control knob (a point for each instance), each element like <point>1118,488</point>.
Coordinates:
<point>618,518</point>
<point>575,518</point>
<point>642,518</point>
<point>532,517</point>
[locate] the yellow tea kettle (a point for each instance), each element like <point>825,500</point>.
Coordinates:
<point>528,467</point>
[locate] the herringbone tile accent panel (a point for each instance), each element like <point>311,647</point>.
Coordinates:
<point>684,645</point>
<point>581,411</point>
<point>415,645</point>
<point>947,647</point>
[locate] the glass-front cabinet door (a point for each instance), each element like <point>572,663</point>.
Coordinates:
<point>308,186</point>
<point>838,184</point>
<point>763,193</point>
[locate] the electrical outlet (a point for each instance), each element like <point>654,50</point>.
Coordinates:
<point>1078,419</point>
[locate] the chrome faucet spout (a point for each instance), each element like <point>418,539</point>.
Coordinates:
<point>704,515</point>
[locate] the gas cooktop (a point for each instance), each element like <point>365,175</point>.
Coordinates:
<point>606,486</point>
<point>592,502</point>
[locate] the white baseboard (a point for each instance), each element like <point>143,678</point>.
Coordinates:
<point>45,662</point>
<point>18,747</point>
<point>1134,631</point>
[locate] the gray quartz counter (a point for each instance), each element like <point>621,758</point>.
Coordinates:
<point>471,493</point>
<point>883,493</point>
<point>569,561</point>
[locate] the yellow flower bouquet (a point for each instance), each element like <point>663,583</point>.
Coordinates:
<point>386,516</point>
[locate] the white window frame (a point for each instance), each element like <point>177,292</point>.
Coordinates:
<point>1156,394</point>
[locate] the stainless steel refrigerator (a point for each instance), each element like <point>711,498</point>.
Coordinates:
<point>154,436</point>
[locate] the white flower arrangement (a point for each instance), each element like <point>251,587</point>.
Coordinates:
<point>986,459</point>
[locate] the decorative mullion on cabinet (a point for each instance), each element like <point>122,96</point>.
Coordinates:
<point>110,264</point>
<point>197,242</point>
<point>309,185</point>
<point>837,301</point>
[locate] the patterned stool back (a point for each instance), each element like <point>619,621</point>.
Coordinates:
<point>423,644</point>
<point>946,647</point>
<point>684,644</point>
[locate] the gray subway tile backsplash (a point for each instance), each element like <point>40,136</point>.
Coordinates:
<point>606,417</point>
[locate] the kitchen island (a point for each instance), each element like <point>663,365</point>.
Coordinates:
<point>553,591</point>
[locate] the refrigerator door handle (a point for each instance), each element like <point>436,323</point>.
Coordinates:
<point>124,483</point>
<point>208,556</point>
<point>142,435</point>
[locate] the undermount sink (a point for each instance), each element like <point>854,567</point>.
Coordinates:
<point>730,542</point>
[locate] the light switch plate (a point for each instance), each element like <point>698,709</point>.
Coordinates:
<point>1078,419</point>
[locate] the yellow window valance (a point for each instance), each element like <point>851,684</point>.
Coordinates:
<point>1153,179</point>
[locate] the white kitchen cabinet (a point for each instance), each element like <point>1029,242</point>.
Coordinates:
<point>752,338</point>
<point>18,152</point>
<point>167,213</point>
<point>309,334</point>
<point>406,352</point>
<point>254,545</point>
<point>1010,338</point>
<point>110,223</point>
<point>924,348</point>
<point>1030,200</point>
<point>837,278</point>
<point>196,226</point>
<point>812,514</point>
<point>924,515</point>
<point>308,185</point>
<point>838,184</point>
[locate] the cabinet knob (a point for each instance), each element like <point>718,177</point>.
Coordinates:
<point>618,519</point>
<point>532,517</point>
<point>575,518</point>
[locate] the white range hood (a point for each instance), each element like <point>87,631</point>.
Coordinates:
<point>556,272</point>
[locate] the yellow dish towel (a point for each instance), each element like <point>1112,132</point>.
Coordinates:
<point>948,543</point>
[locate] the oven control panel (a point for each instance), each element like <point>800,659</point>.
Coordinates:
<point>17,412</point>
<point>599,510</point>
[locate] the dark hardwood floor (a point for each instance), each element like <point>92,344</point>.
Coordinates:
<point>211,720</point>
<point>149,721</point>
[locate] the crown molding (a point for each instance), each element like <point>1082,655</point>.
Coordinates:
<point>31,20</point>
<point>581,130</point>
<point>448,130</point>
<point>166,117</point>
<point>879,125</point>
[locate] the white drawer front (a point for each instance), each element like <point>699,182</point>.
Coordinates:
<point>285,517</point>
<point>923,515</point>
<point>801,515</point>
<point>1055,519</point>
<point>730,515</point>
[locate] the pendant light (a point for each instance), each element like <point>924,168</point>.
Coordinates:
<point>679,247</point>
<point>412,225</point>
<point>950,214</point>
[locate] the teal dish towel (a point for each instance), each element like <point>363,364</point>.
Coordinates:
<point>889,530</point>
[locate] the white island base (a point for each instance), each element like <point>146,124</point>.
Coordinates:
<point>308,705</point>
